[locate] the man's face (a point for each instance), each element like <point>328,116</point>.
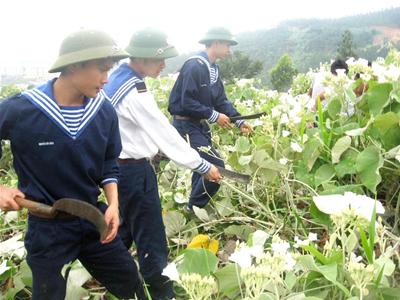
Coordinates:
<point>153,66</point>
<point>90,77</point>
<point>222,49</point>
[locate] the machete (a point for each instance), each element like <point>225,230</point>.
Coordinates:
<point>74,207</point>
<point>247,117</point>
<point>234,175</point>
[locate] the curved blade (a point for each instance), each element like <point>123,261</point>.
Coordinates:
<point>252,116</point>
<point>85,211</point>
<point>234,175</point>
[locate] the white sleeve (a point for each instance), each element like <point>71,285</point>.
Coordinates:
<point>143,108</point>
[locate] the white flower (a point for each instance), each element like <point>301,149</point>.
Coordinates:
<point>242,257</point>
<point>243,254</point>
<point>336,204</point>
<point>280,247</point>
<point>285,133</point>
<point>284,119</point>
<point>283,161</point>
<point>257,122</point>
<point>355,258</point>
<point>312,237</point>
<point>275,112</point>
<point>289,262</point>
<point>392,73</point>
<point>171,272</point>
<point>300,242</point>
<point>296,147</point>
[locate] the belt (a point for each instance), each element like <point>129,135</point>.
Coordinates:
<point>59,215</point>
<point>131,160</point>
<point>178,117</point>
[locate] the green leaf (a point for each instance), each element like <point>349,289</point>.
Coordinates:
<point>324,173</point>
<point>241,231</point>
<point>391,293</point>
<point>318,255</point>
<point>357,189</point>
<point>379,277</point>
<point>174,222</point>
<point>319,216</point>
<point>200,261</point>
<point>228,280</point>
<point>334,107</point>
<point>368,164</point>
<point>290,280</point>
<point>328,271</point>
<point>365,245</point>
<point>377,97</point>
<point>347,164</point>
<point>339,148</point>
<point>350,242</point>
<point>311,152</point>
<point>347,127</point>
<point>260,158</point>
<point>385,121</point>
<point>242,144</point>
<point>26,273</point>
<point>302,173</point>
<point>225,207</point>
<point>245,160</point>
<point>371,228</point>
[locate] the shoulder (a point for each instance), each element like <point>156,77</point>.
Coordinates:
<point>194,66</point>
<point>17,102</point>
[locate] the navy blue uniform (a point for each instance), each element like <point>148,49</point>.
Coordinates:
<point>53,162</point>
<point>198,95</point>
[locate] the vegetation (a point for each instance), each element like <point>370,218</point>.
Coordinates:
<point>282,74</point>
<point>311,41</point>
<point>239,65</point>
<point>306,227</point>
<point>346,46</point>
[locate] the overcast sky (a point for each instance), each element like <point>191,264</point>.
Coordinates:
<point>31,30</point>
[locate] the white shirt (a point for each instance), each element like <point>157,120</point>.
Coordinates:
<point>145,130</point>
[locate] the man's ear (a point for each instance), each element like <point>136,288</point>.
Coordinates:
<point>72,68</point>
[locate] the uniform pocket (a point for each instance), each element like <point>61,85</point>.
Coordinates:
<point>41,238</point>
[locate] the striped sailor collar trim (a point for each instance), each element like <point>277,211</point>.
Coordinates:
<point>42,99</point>
<point>212,69</point>
<point>125,86</point>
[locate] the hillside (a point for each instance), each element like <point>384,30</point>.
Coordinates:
<point>312,41</point>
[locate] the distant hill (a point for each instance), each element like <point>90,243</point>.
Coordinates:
<point>311,41</point>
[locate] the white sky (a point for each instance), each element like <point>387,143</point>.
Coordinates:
<point>32,30</point>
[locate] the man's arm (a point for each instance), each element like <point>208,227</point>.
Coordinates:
<point>226,110</point>
<point>144,110</point>
<point>112,213</point>
<point>7,117</point>
<point>109,181</point>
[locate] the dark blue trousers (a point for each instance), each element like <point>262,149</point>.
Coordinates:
<point>198,135</point>
<point>52,243</point>
<point>142,223</point>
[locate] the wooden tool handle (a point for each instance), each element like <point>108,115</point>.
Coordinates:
<point>36,207</point>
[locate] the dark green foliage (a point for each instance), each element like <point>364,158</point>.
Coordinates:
<point>346,46</point>
<point>282,74</point>
<point>239,65</point>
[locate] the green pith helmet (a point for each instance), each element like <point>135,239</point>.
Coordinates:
<point>218,34</point>
<point>150,43</point>
<point>85,45</point>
